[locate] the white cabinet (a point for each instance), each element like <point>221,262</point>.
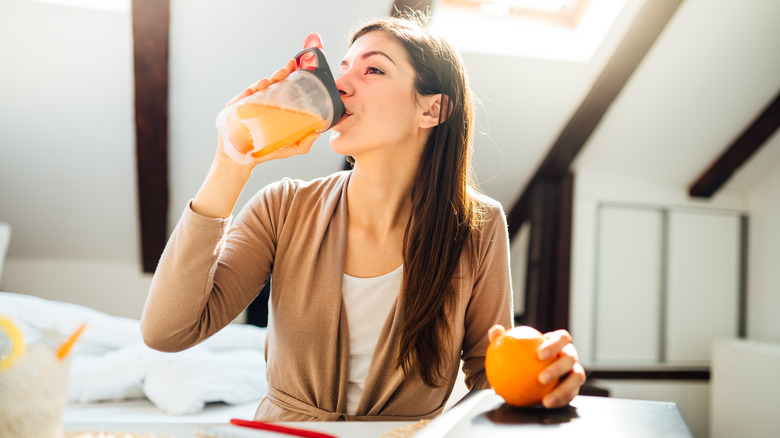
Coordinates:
<point>667,283</point>
<point>629,285</point>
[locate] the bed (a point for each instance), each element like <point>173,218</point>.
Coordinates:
<point>115,377</point>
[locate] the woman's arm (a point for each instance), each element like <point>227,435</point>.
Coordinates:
<point>491,300</point>
<point>205,279</point>
<point>173,316</point>
<point>491,296</point>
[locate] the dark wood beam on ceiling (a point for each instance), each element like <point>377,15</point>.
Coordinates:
<point>649,23</point>
<point>549,260</point>
<point>150,55</point>
<point>751,139</point>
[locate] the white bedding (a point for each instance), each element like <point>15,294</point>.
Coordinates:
<point>111,363</point>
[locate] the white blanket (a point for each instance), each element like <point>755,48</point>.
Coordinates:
<point>111,362</point>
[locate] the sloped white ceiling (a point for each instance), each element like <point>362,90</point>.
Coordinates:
<point>712,71</point>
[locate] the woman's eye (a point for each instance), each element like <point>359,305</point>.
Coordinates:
<point>374,71</point>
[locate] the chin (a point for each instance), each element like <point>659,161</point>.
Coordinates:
<point>337,143</point>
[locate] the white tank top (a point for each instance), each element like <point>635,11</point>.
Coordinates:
<point>367,302</point>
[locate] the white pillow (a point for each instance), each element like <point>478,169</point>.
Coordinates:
<point>182,383</point>
<point>177,383</point>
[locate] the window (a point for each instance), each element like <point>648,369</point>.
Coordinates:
<point>565,13</point>
<point>569,30</point>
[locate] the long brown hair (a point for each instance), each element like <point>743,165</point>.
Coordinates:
<point>444,210</point>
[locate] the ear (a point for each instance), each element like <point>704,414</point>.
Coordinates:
<point>436,109</point>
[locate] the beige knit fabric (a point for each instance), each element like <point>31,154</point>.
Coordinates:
<point>296,231</point>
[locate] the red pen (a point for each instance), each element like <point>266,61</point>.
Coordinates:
<point>280,429</point>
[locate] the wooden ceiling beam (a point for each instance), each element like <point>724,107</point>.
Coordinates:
<point>150,58</point>
<point>649,23</point>
<point>751,139</point>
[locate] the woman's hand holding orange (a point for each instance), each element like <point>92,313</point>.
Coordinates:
<point>565,369</point>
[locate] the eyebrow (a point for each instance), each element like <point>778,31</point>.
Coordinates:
<point>371,53</point>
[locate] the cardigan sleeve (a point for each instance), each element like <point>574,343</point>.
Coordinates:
<point>209,272</point>
<point>491,296</point>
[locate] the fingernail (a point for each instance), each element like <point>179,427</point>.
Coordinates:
<point>545,378</point>
<point>550,401</point>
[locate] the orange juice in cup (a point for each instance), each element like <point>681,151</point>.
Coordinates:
<point>305,102</point>
<point>256,129</point>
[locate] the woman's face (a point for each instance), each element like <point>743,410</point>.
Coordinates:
<point>376,82</point>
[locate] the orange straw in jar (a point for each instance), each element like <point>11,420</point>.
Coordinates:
<point>66,346</point>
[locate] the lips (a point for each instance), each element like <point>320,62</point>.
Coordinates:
<point>344,116</point>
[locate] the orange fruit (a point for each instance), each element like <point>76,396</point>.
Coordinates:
<point>512,366</point>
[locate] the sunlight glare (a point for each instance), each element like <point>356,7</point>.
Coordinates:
<point>501,34</point>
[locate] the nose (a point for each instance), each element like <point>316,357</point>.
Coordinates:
<point>343,85</point>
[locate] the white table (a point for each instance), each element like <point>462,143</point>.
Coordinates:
<point>190,430</point>
<point>142,417</point>
<point>481,414</point>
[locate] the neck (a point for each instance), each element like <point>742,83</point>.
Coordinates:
<point>380,188</point>
<point>380,196</point>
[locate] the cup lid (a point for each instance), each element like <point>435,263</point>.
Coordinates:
<point>323,73</point>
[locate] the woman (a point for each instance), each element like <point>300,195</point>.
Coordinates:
<point>384,277</point>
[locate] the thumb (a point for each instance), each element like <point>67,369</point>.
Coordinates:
<point>311,41</point>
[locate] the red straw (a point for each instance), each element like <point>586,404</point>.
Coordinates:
<point>281,429</point>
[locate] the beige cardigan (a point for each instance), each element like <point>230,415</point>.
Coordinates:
<point>296,230</point>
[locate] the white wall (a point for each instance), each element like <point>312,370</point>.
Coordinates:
<point>112,287</point>
<point>67,145</point>
<point>764,259</point>
<point>67,140</point>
